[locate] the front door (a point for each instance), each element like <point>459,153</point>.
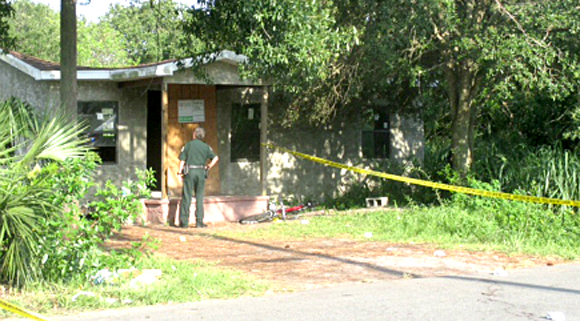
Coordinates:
<point>190,106</point>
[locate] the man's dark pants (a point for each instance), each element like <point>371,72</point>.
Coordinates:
<point>194,181</point>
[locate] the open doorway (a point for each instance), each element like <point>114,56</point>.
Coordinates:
<point>154,143</point>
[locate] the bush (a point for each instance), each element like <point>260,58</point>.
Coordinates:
<point>45,175</point>
<point>72,244</point>
<point>26,143</point>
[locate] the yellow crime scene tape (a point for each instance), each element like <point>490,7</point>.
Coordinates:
<point>20,311</point>
<point>452,188</point>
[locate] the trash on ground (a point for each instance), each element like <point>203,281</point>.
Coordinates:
<point>104,276</point>
<point>369,234</point>
<point>556,316</point>
<point>500,272</point>
<point>147,277</point>
<point>440,253</point>
<point>110,300</point>
<point>304,222</point>
<point>82,293</point>
<point>128,273</point>
<point>182,238</point>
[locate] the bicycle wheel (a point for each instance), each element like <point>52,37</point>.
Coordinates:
<point>259,218</point>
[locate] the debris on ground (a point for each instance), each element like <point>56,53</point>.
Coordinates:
<point>298,264</point>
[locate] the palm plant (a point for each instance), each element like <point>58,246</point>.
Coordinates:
<point>27,142</point>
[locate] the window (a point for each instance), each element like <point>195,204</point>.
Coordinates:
<point>245,141</point>
<point>101,118</point>
<point>376,141</point>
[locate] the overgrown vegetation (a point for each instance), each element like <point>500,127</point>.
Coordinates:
<point>466,222</point>
<point>49,229</point>
<point>179,281</point>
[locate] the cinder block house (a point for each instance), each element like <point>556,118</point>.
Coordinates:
<point>140,117</point>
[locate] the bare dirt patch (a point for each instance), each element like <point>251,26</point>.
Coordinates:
<point>299,265</point>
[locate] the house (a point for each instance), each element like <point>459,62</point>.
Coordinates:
<point>140,117</point>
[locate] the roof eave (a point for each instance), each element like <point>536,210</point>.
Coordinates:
<point>125,74</point>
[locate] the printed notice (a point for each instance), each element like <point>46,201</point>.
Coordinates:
<point>191,111</point>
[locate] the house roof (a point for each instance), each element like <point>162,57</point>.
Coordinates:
<point>46,70</point>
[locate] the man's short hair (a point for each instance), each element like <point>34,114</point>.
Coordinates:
<point>199,133</point>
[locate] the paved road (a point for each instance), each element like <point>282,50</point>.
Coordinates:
<point>529,294</point>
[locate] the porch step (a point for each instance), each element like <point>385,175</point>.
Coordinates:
<point>216,209</point>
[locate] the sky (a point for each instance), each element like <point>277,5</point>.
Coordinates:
<point>97,8</point>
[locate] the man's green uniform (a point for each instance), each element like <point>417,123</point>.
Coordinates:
<point>195,154</point>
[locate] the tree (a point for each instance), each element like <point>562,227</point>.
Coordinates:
<point>297,44</point>
<point>6,12</point>
<point>36,28</point>
<point>100,45</point>
<point>151,29</point>
<point>474,50</point>
<point>68,56</point>
<point>478,50</point>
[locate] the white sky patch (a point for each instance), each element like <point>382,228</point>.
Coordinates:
<point>98,8</point>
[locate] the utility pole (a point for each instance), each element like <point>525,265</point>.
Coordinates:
<point>68,57</point>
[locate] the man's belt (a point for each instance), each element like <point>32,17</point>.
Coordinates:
<point>196,166</point>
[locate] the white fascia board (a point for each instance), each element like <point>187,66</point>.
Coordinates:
<point>162,70</point>
<point>21,65</point>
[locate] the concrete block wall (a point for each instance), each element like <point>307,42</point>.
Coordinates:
<point>14,83</point>
<point>131,130</point>
<point>301,179</point>
<point>132,122</point>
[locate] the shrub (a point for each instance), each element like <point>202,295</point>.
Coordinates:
<point>72,245</point>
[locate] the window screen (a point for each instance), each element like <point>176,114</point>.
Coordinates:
<point>101,117</point>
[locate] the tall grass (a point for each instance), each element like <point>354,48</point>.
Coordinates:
<point>468,222</point>
<point>547,171</point>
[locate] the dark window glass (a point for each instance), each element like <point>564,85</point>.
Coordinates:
<point>101,117</point>
<point>245,141</point>
<point>376,142</point>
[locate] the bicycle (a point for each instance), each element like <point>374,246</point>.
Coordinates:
<point>274,212</point>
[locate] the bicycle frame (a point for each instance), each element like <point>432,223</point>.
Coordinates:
<point>274,212</point>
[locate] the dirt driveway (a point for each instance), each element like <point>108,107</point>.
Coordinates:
<point>300,265</point>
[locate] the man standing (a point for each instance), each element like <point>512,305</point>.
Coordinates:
<point>193,159</point>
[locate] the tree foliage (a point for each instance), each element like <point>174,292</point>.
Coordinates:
<point>100,45</point>
<point>36,28</point>
<point>298,45</point>
<point>151,30</point>
<point>464,53</point>
<point>6,12</point>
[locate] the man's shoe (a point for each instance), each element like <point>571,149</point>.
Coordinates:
<point>200,225</point>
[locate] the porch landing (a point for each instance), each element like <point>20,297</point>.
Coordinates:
<point>216,209</point>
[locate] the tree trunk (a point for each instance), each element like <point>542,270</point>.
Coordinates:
<point>462,88</point>
<point>68,56</point>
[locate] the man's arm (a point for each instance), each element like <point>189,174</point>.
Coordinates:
<point>181,165</point>
<point>212,163</point>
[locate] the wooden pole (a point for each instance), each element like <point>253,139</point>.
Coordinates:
<point>164,128</point>
<point>263,140</point>
<point>68,57</point>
